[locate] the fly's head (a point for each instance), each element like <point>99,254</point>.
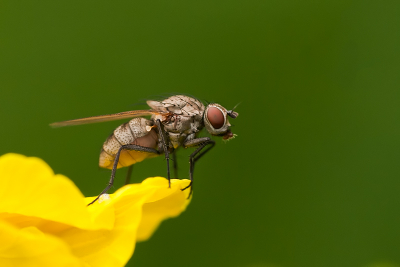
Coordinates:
<point>216,120</point>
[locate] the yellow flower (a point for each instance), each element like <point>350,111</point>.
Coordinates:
<point>44,220</point>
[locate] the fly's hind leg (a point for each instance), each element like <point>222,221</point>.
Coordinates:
<point>128,175</point>
<point>195,156</point>
<point>114,169</point>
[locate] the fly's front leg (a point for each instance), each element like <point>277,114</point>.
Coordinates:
<point>114,169</point>
<point>165,147</point>
<point>195,156</point>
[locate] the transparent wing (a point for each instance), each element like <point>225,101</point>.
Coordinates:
<point>108,117</point>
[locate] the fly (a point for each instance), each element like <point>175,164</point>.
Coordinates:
<point>175,122</point>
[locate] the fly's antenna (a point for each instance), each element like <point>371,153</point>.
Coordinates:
<point>232,113</point>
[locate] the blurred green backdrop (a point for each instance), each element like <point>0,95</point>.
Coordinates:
<point>312,178</point>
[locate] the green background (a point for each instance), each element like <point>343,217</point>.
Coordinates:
<point>312,178</point>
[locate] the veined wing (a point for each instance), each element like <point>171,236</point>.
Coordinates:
<point>108,117</point>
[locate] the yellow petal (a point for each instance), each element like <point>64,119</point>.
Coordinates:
<point>164,204</point>
<point>130,205</point>
<point>29,187</point>
<point>50,210</point>
<point>30,247</point>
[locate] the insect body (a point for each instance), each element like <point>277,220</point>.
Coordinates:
<point>174,122</point>
<point>134,132</point>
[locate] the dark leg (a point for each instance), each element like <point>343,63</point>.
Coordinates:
<point>165,147</point>
<point>114,169</point>
<point>128,175</point>
<point>201,143</point>
<point>175,164</point>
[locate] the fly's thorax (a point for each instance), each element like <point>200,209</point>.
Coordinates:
<point>216,120</point>
<point>185,114</point>
<point>179,105</point>
<point>184,124</point>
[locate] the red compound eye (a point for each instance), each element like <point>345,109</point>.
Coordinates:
<point>215,117</point>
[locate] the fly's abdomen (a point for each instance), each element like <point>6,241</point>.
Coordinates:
<point>133,132</point>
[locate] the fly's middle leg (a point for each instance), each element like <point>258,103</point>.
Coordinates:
<point>175,164</point>
<point>163,140</point>
<point>114,169</point>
